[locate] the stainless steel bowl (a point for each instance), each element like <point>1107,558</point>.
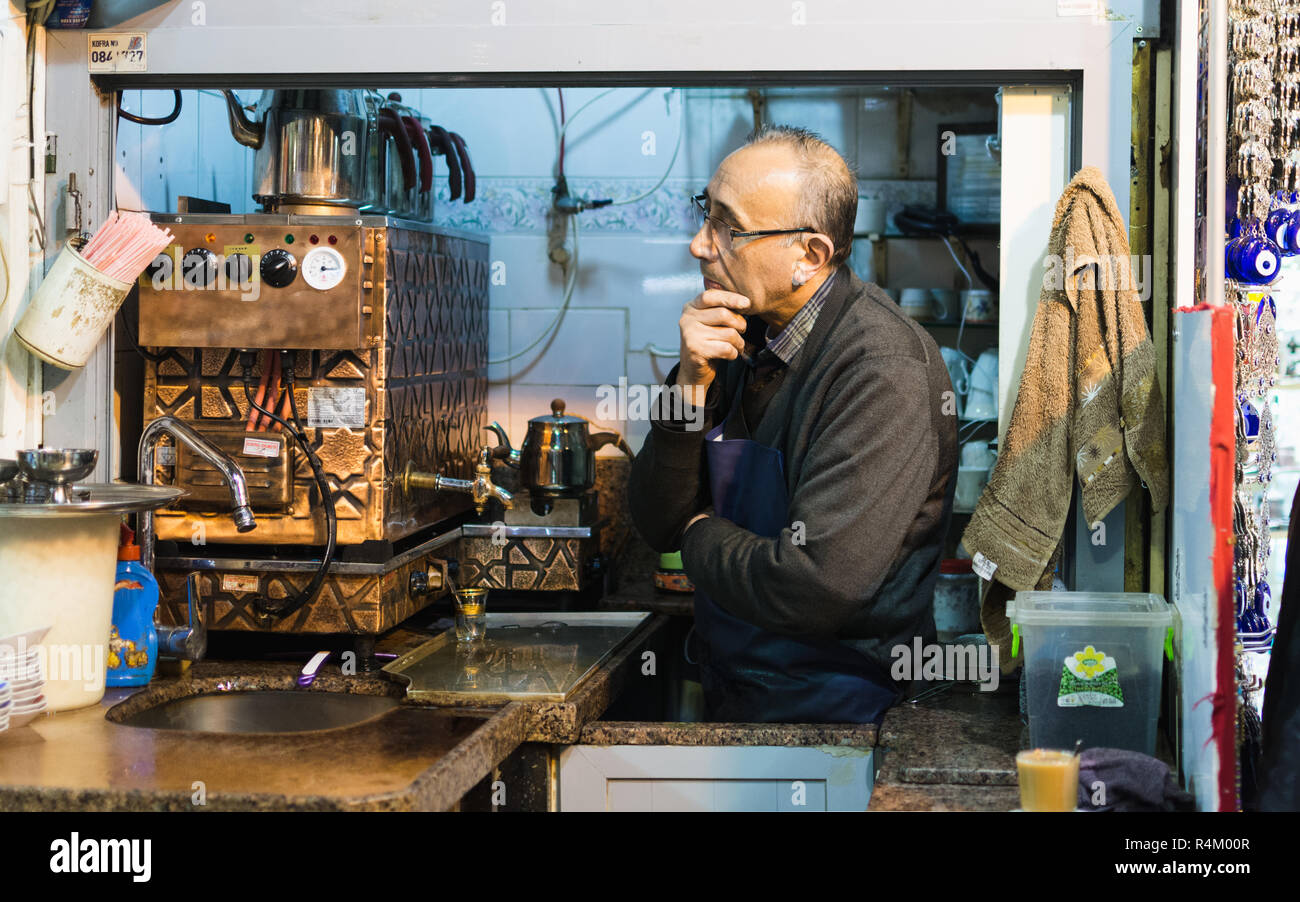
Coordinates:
<point>57,468</point>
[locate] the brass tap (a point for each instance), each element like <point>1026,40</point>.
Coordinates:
<point>480,488</point>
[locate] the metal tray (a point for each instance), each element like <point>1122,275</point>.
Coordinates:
<point>540,657</point>
<point>105,498</point>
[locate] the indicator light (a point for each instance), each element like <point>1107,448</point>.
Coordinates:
<point>314,240</point>
<point>334,239</point>
<point>248,239</point>
<point>210,237</point>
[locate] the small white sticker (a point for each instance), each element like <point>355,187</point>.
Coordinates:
<point>116,52</point>
<point>237,582</point>
<point>261,447</point>
<point>1076,7</point>
<point>336,408</point>
<point>983,566</point>
<point>166,456</point>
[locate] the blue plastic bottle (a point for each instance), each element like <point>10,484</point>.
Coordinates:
<point>133,642</point>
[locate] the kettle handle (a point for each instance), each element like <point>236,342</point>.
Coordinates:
<point>503,451</point>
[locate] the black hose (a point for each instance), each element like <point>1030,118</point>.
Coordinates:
<point>144,120</point>
<point>310,591</point>
<point>130,336</point>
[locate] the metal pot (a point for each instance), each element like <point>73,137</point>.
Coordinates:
<point>312,146</point>
<point>558,458</point>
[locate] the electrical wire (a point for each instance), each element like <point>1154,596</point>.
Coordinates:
<point>564,127</point>
<point>681,130</point>
<point>135,344</point>
<point>295,429</point>
<point>4,295</point>
<point>560,166</point>
<point>571,281</point>
<point>146,120</point>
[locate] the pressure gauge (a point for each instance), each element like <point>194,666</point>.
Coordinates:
<point>323,268</point>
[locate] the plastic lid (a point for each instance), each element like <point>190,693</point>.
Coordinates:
<point>128,550</point>
<point>1089,608</point>
<point>956,565</point>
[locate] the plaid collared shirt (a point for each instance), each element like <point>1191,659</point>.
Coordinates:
<point>787,344</point>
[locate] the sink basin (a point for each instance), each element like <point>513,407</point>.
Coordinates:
<point>267,711</point>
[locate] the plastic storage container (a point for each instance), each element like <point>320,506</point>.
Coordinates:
<point>956,600</point>
<point>1092,666</point>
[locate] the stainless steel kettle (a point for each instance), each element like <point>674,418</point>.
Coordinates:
<point>558,458</point>
<point>312,146</point>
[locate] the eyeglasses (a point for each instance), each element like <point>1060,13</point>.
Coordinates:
<point>725,235</point>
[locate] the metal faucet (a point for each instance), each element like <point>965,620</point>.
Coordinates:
<point>188,641</point>
<point>481,487</point>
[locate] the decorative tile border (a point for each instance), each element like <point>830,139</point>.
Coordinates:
<point>517,204</point>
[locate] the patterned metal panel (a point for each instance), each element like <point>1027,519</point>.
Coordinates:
<point>424,373</point>
<point>353,604</point>
<point>531,564</point>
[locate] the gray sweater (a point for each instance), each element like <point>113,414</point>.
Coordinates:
<point>868,435</point>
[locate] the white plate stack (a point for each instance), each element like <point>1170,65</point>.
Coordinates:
<point>22,675</point>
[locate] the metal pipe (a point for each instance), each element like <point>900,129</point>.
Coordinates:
<point>1216,149</point>
<point>241,512</point>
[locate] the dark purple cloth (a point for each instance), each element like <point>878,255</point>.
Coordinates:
<point>1129,781</point>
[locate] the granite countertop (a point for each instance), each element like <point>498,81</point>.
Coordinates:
<point>636,589</point>
<point>403,759</point>
<point>710,734</point>
<point>954,751</point>
<point>408,758</point>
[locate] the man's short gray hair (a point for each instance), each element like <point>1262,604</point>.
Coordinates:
<point>828,198</point>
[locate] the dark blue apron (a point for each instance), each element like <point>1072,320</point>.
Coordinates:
<point>750,675</point>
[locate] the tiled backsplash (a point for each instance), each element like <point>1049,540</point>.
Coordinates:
<point>634,268</point>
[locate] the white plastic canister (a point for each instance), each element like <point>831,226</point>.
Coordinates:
<point>70,311</point>
<point>58,573</point>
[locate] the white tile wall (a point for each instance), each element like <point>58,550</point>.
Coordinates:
<point>631,284</point>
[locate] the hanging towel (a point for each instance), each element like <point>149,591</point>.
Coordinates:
<point>1089,406</point>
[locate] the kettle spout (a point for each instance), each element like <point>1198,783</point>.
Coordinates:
<point>243,129</point>
<point>598,440</point>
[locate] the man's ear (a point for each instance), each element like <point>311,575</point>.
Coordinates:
<point>818,250</point>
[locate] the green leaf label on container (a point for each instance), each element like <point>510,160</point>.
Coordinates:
<point>1090,678</point>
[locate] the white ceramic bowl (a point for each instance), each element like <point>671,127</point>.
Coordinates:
<point>22,719</point>
<point>28,640</point>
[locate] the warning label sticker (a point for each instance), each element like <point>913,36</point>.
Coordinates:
<point>336,408</point>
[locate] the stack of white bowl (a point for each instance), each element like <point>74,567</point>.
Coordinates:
<point>23,675</point>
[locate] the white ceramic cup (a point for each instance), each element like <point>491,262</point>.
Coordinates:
<point>958,374</point>
<point>978,454</point>
<point>944,303</point>
<point>979,305</point>
<point>870,218</point>
<point>915,302</point>
<point>970,485</point>
<point>982,399</point>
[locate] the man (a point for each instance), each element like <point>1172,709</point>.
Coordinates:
<point>806,459</point>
